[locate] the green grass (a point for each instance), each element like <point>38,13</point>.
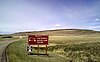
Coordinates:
<point>17,53</point>
<point>67,49</point>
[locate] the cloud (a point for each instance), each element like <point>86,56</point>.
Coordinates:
<point>57,25</point>
<point>97,19</point>
<point>40,15</point>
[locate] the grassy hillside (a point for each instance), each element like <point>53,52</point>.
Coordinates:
<point>65,45</point>
<point>60,32</point>
<point>60,49</point>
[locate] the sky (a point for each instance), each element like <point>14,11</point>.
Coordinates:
<point>37,15</point>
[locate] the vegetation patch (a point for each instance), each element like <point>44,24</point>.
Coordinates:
<point>17,53</point>
<point>67,49</point>
<point>86,52</point>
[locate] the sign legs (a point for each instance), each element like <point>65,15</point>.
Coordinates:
<point>38,50</point>
<point>46,49</point>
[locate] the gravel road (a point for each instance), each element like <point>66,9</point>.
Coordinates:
<point>3,45</point>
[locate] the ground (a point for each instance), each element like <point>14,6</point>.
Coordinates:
<point>60,49</point>
<point>3,45</point>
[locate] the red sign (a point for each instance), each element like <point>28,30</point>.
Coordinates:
<point>38,39</point>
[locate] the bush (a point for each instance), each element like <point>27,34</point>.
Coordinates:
<point>7,37</point>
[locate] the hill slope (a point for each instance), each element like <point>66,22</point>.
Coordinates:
<point>60,32</point>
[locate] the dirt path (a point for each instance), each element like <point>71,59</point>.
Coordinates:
<point>3,45</point>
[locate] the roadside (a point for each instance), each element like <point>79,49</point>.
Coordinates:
<point>3,46</point>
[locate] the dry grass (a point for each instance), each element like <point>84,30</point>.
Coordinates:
<point>64,49</point>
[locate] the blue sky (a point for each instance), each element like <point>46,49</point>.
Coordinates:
<point>36,15</point>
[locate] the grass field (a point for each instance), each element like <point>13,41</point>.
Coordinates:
<point>7,39</point>
<point>65,49</point>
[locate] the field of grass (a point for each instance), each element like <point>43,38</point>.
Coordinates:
<point>73,39</point>
<point>65,49</point>
<point>7,39</point>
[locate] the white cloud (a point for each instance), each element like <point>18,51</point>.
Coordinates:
<point>57,25</point>
<point>97,19</point>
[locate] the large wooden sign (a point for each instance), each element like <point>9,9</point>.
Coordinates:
<point>38,39</point>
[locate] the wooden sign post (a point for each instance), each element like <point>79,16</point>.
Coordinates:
<point>38,50</point>
<point>46,49</point>
<point>38,40</point>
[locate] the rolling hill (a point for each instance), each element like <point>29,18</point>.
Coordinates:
<point>59,32</point>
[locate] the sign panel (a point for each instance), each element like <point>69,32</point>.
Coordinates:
<point>38,39</point>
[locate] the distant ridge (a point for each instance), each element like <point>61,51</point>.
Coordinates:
<point>59,32</point>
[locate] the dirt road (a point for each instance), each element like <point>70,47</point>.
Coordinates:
<point>3,45</point>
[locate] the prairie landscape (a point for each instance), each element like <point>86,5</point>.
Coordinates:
<point>73,28</point>
<point>81,46</point>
